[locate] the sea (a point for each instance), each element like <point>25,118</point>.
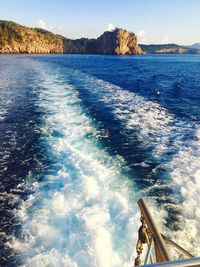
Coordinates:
<point>82,138</point>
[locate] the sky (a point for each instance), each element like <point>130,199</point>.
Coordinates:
<point>153,21</point>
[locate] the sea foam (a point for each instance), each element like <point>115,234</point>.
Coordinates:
<point>166,134</point>
<point>83,212</point>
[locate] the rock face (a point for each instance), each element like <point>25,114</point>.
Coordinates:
<point>15,38</point>
<point>119,42</point>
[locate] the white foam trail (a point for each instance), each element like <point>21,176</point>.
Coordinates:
<point>153,122</point>
<point>85,213</point>
<point>185,172</point>
<point>161,129</point>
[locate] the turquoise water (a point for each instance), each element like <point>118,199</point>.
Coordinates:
<point>82,138</point>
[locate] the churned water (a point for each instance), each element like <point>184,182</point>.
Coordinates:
<point>83,137</point>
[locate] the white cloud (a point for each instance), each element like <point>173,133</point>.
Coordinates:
<point>110,27</point>
<point>142,38</point>
<point>42,24</point>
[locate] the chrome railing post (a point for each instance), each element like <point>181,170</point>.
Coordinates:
<point>162,253</point>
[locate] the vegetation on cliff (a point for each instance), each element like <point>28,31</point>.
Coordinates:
<point>15,38</point>
<point>168,49</point>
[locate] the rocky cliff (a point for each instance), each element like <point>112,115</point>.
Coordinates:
<point>15,38</point>
<point>120,42</point>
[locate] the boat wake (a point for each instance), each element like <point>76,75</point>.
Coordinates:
<point>175,148</point>
<point>83,210</point>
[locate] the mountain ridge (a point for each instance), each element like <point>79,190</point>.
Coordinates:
<point>16,38</point>
<point>195,46</point>
<point>170,48</point>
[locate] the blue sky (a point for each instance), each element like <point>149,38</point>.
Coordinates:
<point>154,21</point>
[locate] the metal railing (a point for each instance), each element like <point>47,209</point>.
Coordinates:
<point>159,256</point>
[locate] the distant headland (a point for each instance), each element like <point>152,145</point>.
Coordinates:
<point>18,39</point>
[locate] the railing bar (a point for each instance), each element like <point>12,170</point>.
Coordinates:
<point>151,259</point>
<point>154,231</point>
<point>148,251</point>
<point>177,246</point>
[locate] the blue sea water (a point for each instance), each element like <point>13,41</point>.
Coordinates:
<point>83,137</point>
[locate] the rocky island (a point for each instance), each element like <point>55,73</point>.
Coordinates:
<point>168,49</point>
<point>15,38</point>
